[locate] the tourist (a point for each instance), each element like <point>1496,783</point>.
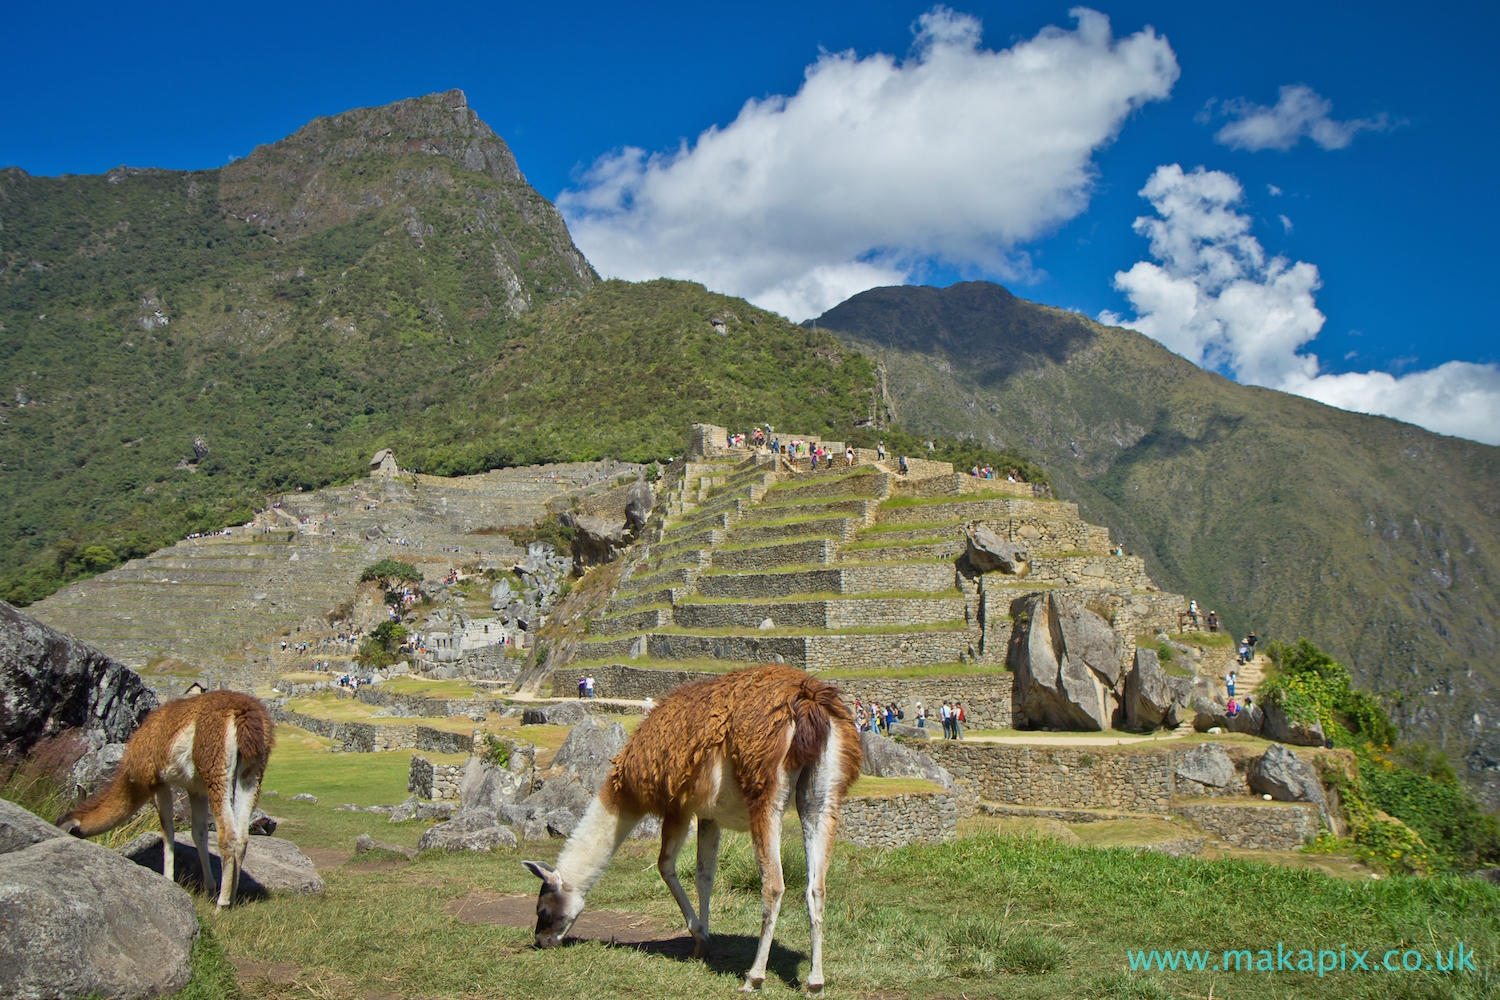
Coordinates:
<point>958,720</point>
<point>647,705</point>
<point>921,714</point>
<point>1244,651</point>
<point>592,692</point>
<point>849,455</point>
<point>945,713</point>
<point>1250,641</point>
<point>1229,683</point>
<point>880,450</point>
<point>1233,709</point>
<point>903,465</point>
<point>583,685</point>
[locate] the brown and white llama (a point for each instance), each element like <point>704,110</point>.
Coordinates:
<point>215,747</point>
<point>731,751</point>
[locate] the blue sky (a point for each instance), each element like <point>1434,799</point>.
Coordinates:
<point>1397,222</point>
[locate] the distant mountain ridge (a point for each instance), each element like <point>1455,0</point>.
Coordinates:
<point>1377,539</point>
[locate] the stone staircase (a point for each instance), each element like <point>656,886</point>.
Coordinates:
<point>217,602</point>
<point>853,573</point>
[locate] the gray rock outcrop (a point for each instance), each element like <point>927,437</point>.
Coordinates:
<point>595,540</point>
<point>1284,776</point>
<point>885,758</point>
<point>82,921</point>
<point>485,786</point>
<point>639,500</point>
<point>50,682</point>
<point>21,828</point>
<point>566,713</point>
<point>271,863</point>
<point>1067,666</point>
<point>1207,764</point>
<point>589,751</point>
<point>1282,728</point>
<point>1149,701</point>
<point>468,830</point>
<point>95,769</point>
<point>420,809</point>
<point>988,552</point>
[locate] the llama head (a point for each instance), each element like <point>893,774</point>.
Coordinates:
<point>69,824</point>
<point>557,906</point>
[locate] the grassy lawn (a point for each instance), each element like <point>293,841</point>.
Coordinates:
<point>303,762</point>
<point>431,689</point>
<point>989,916</point>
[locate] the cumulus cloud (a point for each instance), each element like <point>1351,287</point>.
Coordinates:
<point>877,167</point>
<point>1300,112</point>
<point>1215,297</point>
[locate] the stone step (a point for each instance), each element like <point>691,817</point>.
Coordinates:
<point>1050,526</point>
<point>950,548</point>
<point>632,622</point>
<point>843,529</point>
<point>873,484</point>
<point>933,578</point>
<point>636,601</point>
<point>846,613</point>
<point>805,552</point>
<point>862,509</point>
<point>862,651</point>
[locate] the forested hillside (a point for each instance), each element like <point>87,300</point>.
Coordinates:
<point>174,345</point>
<point>1377,539</point>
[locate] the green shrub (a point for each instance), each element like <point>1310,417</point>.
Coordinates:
<point>389,572</point>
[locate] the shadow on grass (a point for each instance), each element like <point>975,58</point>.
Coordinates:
<point>728,954</point>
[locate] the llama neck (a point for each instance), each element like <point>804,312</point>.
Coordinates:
<point>594,842</point>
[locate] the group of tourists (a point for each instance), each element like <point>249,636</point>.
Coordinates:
<point>1247,648</point>
<point>988,472</point>
<point>882,719</point>
<point>586,687</point>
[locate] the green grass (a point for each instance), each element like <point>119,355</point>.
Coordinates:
<point>432,689</point>
<point>985,917</point>
<point>868,787</point>
<point>876,543</point>
<point>303,762</point>
<point>910,501</point>
<point>838,477</point>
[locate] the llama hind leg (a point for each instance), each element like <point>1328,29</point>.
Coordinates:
<point>818,812</point>
<point>674,833</point>
<point>199,805</point>
<point>708,864</point>
<point>168,833</point>
<point>766,836</point>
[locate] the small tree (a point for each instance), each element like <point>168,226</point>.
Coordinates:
<point>390,574</point>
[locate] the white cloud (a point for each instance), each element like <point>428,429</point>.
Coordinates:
<point>876,166</point>
<point>1286,224</point>
<point>1299,112</point>
<point>1274,191</point>
<point>1214,297</point>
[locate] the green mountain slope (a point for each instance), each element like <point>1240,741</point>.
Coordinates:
<point>1377,539</point>
<point>384,277</point>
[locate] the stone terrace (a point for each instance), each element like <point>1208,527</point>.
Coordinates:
<point>214,602</point>
<point>853,573</point>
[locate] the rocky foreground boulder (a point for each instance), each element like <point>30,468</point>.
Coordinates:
<point>51,683</point>
<point>988,552</point>
<point>271,864</point>
<point>1067,665</point>
<point>1284,776</point>
<point>1282,728</point>
<point>80,920</point>
<point>885,758</point>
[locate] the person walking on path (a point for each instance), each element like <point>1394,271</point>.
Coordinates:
<point>958,720</point>
<point>1229,683</point>
<point>921,714</point>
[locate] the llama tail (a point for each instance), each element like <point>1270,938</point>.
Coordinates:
<point>107,809</point>
<point>817,708</point>
<point>254,738</point>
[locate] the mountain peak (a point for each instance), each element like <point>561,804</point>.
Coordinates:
<point>296,181</point>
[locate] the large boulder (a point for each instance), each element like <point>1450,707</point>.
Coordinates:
<point>639,500</point>
<point>1250,720</point>
<point>1282,728</point>
<point>21,828</point>
<point>485,786</point>
<point>50,682</point>
<point>271,864</point>
<point>885,758</point>
<point>565,713</point>
<point>595,540</point>
<point>1067,666</point>
<point>80,920</point>
<point>1207,764</point>
<point>1284,776</point>
<point>590,749</point>
<point>988,552</point>
<point>95,769</point>
<point>501,595</point>
<point>468,830</point>
<point>1148,697</point>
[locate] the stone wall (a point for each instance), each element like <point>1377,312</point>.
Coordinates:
<point>816,551</point>
<point>847,614</point>
<point>835,651</point>
<point>986,697</point>
<point>632,622</point>
<point>363,737</point>
<point>439,782</point>
<point>898,820</point>
<point>1126,572</point>
<point>926,577</point>
<point>426,708</point>
<point>1253,823</point>
<point>877,484</point>
<point>956,484</point>
<point>325,728</point>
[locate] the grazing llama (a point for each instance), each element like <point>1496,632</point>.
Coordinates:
<point>214,746</point>
<point>732,751</point>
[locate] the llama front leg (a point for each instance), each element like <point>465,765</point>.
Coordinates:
<point>199,805</point>
<point>673,835</point>
<point>708,864</point>
<point>168,832</point>
<point>766,836</point>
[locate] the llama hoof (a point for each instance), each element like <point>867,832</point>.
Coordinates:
<point>751,985</point>
<point>700,946</point>
<point>815,988</point>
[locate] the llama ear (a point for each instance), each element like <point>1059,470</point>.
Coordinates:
<point>543,871</point>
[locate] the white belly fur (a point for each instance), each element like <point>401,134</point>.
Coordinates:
<point>179,770</point>
<point>725,805</point>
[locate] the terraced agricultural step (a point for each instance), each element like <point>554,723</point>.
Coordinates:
<point>870,651</point>
<point>848,613</point>
<point>862,509</point>
<point>807,552</point>
<point>876,485</point>
<point>842,529</point>
<point>632,622</point>
<point>933,578</point>
<point>636,601</point>
<point>949,548</point>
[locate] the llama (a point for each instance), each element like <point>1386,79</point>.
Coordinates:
<point>215,747</point>
<point>732,751</point>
